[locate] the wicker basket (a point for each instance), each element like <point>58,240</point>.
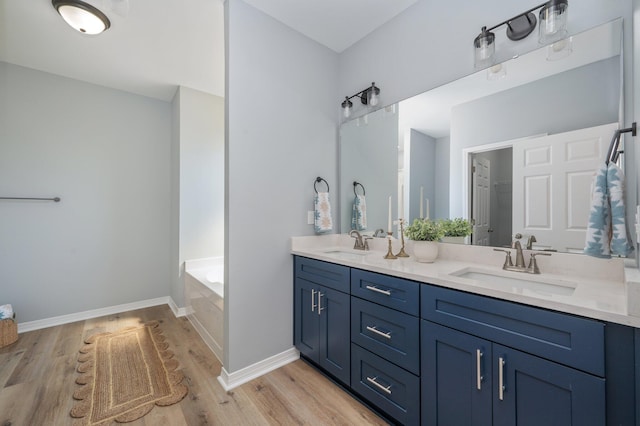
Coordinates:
<point>8,332</point>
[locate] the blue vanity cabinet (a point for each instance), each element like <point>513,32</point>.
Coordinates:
<point>492,362</point>
<point>385,350</point>
<point>321,315</point>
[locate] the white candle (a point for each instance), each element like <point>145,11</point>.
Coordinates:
<point>421,201</point>
<point>401,206</point>
<point>389,228</point>
<point>427,216</point>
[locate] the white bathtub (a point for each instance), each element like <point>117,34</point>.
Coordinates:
<point>204,297</point>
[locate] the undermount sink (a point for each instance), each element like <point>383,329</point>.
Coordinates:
<point>347,253</point>
<point>518,282</point>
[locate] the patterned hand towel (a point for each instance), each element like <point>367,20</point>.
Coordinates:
<point>607,231</point>
<point>6,311</point>
<point>359,214</point>
<point>598,240</point>
<point>619,233</point>
<point>323,222</point>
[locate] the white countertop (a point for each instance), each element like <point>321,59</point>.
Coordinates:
<point>596,288</point>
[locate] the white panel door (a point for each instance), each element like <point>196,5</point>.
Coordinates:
<point>552,178</point>
<point>481,204</point>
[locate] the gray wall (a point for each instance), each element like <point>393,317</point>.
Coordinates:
<point>376,169</point>
<point>282,118</point>
<point>443,146</point>
<point>197,181</point>
<point>422,172</point>
<point>106,154</point>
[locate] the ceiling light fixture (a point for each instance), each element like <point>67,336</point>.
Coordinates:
<point>553,26</point>
<point>82,16</point>
<point>368,96</point>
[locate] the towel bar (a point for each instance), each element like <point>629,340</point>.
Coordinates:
<point>55,199</point>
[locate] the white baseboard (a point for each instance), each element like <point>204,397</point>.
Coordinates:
<point>215,346</point>
<point>23,327</point>
<point>178,312</point>
<point>237,378</point>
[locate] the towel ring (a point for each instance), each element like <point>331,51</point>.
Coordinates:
<point>319,179</point>
<point>355,185</point>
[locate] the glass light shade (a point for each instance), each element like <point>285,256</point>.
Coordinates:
<point>346,107</point>
<point>82,17</point>
<point>560,49</point>
<point>553,21</point>
<point>485,48</point>
<point>374,96</point>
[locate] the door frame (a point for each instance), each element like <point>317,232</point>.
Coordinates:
<point>467,163</point>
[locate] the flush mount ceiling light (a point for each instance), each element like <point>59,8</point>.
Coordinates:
<point>368,96</point>
<point>82,16</point>
<point>553,26</point>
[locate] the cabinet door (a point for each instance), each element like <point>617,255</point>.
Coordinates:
<point>335,335</point>
<point>306,319</point>
<point>539,392</point>
<point>456,377</point>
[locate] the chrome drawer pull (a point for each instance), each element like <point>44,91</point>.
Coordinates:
<point>378,290</point>
<point>479,369</point>
<point>501,386</point>
<point>313,300</point>
<point>378,332</point>
<point>379,386</point>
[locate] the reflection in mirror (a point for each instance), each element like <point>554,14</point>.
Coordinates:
<point>424,148</point>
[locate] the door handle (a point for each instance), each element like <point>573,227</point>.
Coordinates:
<point>320,308</point>
<point>479,376</point>
<point>313,299</point>
<point>501,386</point>
<point>374,329</point>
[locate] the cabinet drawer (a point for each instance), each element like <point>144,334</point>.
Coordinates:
<point>566,339</point>
<point>392,292</point>
<point>388,333</point>
<point>323,273</point>
<point>392,389</point>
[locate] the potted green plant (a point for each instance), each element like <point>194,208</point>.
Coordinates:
<point>456,230</point>
<point>425,235</point>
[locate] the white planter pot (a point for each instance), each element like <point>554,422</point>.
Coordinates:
<point>455,240</point>
<point>425,251</point>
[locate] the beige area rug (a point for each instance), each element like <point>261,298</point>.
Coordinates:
<point>124,375</point>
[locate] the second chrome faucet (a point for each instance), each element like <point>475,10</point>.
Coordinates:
<point>532,268</point>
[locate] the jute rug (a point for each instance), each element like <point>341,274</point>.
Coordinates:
<point>124,375</point>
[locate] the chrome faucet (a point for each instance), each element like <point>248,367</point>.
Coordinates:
<point>532,268</point>
<point>360,243</point>
<point>379,233</point>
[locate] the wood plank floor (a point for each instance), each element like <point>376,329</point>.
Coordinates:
<point>37,380</point>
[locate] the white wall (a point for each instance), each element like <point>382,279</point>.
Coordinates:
<point>106,154</point>
<point>198,166</point>
<point>282,115</point>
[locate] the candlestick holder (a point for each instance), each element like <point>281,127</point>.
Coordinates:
<point>390,254</point>
<point>402,252</point>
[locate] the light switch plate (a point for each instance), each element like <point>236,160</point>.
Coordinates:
<point>310,217</point>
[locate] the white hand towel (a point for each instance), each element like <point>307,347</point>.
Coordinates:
<point>6,311</point>
<point>323,222</point>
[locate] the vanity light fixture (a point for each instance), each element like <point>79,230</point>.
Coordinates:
<point>368,96</point>
<point>82,16</point>
<point>553,26</point>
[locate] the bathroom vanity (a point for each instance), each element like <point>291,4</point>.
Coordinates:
<point>434,344</point>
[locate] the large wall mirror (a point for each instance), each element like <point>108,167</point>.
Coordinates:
<point>513,147</point>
